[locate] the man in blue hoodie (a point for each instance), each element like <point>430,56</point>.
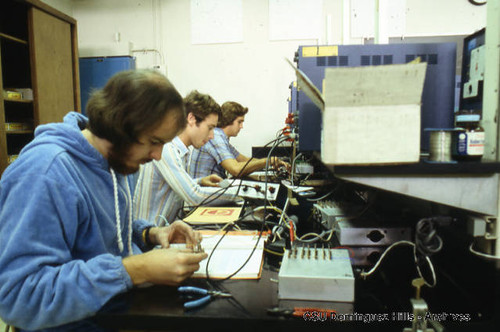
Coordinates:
<point>68,243</point>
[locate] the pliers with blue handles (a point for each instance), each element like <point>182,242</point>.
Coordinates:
<point>187,290</point>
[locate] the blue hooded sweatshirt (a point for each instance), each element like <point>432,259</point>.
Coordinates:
<point>60,257</point>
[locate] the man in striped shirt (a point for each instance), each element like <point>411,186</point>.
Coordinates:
<point>164,186</point>
<point>219,156</point>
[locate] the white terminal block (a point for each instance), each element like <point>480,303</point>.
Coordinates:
<point>304,168</point>
<point>329,211</point>
<point>316,274</point>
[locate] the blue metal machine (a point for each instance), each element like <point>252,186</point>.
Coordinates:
<point>95,72</point>
<point>439,87</point>
<point>474,100</point>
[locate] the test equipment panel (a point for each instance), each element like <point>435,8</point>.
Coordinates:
<point>439,86</point>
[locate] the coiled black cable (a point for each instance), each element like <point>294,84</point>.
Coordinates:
<point>427,240</point>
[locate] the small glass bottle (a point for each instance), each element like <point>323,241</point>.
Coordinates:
<point>468,142</point>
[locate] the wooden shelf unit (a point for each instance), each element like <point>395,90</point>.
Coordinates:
<point>25,101</point>
<point>38,51</point>
<point>3,35</point>
<point>10,132</point>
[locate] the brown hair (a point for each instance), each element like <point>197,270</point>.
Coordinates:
<point>201,105</point>
<point>230,111</point>
<point>131,103</point>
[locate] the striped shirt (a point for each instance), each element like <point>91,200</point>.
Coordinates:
<point>207,160</point>
<point>163,186</point>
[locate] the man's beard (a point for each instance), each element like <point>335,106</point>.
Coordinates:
<point>117,160</point>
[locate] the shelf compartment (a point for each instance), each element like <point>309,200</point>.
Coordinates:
<point>16,142</point>
<point>19,112</point>
<point>11,158</point>
<point>19,132</point>
<point>22,95</point>
<point>14,20</point>
<point>14,39</point>
<point>18,127</point>
<point>26,101</point>
<point>18,75</point>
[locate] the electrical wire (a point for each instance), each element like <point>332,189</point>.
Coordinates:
<point>431,267</point>
<point>223,235</point>
<point>216,194</point>
<point>480,254</point>
<point>477,3</point>
<point>375,267</point>
<point>305,179</point>
<point>427,243</point>
<point>163,218</point>
<point>426,239</point>
<point>220,230</point>
<point>275,234</point>
<point>317,237</point>
<point>341,217</point>
<point>324,196</point>
<point>213,285</point>
<point>292,173</point>
<point>266,202</point>
<point>271,207</point>
<point>351,251</point>
<point>211,254</point>
<point>292,231</point>
<point>235,178</point>
<point>273,252</point>
<point>246,261</point>
<point>266,181</point>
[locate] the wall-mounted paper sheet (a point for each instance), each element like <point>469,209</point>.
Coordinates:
<point>216,21</point>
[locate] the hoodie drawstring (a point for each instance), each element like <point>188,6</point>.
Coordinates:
<point>117,214</point>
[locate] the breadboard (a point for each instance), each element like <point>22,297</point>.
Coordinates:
<point>320,274</point>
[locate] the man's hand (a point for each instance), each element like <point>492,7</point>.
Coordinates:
<point>277,163</point>
<point>211,181</point>
<point>177,232</point>
<point>163,266</point>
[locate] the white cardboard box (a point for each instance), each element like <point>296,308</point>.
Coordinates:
<point>372,114</point>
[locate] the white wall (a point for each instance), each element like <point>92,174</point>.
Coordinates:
<point>105,28</point>
<point>443,17</point>
<point>252,72</point>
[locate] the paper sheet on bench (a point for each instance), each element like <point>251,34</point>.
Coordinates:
<point>230,255</point>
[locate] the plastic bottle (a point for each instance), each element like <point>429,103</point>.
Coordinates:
<point>468,142</point>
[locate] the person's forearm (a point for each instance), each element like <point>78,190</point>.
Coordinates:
<point>136,269</point>
<point>252,166</point>
<point>241,158</point>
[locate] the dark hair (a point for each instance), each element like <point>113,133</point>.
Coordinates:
<point>131,103</point>
<point>230,111</point>
<point>201,105</point>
